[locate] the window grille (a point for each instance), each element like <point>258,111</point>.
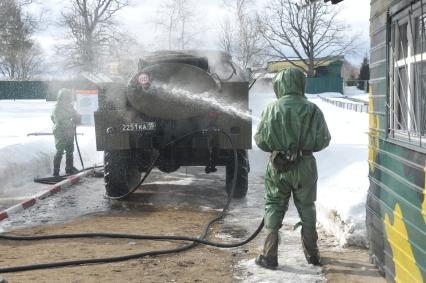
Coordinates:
<point>407,76</point>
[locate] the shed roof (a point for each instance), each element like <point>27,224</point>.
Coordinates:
<point>276,66</point>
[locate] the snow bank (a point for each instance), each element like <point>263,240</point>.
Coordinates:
<point>22,162</point>
<point>349,91</point>
<point>354,92</point>
<point>344,100</point>
<point>324,94</point>
<point>27,157</point>
<point>342,167</point>
<point>343,176</point>
<point>21,117</point>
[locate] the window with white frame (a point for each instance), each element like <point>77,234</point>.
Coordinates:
<point>407,76</point>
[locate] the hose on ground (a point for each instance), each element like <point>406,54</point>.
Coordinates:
<point>56,179</point>
<point>194,241</point>
<point>154,161</point>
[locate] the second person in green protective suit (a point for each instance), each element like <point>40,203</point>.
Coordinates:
<point>65,119</point>
<point>291,129</point>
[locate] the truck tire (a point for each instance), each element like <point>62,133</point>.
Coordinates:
<point>121,173</point>
<point>242,175</point>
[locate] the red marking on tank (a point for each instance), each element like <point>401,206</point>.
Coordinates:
<point>28,203</point>
<point>213,115</point>
<point>143,79</point>
<point>3,215</point>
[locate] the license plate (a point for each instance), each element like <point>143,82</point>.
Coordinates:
<point>138,127</point>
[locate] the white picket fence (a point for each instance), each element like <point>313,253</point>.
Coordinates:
<point>353,106</point>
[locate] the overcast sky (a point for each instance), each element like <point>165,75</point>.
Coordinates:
<point>138,19</point>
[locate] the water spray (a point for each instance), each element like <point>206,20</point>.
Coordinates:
<point>205,99</point>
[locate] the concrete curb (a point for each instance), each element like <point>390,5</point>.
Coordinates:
<point>51,191</point>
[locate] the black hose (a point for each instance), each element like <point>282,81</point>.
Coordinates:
<point>152,165</point>
<point>195,241</point>
<point>132,237</point>
<point>56,179</point>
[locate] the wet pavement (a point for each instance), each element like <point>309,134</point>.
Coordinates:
<point>19,194</point>
<point>188,188</point>
<point>160,190</point>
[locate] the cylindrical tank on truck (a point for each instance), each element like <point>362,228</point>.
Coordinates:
<point>187,94</point>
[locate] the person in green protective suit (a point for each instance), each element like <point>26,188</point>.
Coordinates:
<point>291,129</point>
<point>65,119</point>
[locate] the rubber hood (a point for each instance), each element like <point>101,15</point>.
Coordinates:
<point>289,82</point>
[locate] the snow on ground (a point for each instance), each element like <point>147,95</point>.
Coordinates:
<point>341,99</point>
<point>343,169</point>
<point>26,157</point>
<point>343,175</point>
<point>20,117</point>
<point>292,263</point>
<point>349,91</point>
<point>354,92</point>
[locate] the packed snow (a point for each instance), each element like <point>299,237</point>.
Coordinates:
<point>349,92</point>
<point>25,157</point>
<point>343,168</point>
<point>354,92</point>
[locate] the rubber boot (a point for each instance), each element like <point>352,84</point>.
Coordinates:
<point>57,164</point>
<point>269,258</point>
<point>310,247</point>
<point>69,164</point>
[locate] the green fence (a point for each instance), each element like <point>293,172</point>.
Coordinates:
<point>324,84</point>
<point>23,90</point>
<point>38,89</point>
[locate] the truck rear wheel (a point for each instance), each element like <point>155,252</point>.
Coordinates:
<point>121,173</point>
<point>242,175</point>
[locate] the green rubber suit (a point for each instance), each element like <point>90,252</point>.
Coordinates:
<point>292,123</point>
<point>64,118</point>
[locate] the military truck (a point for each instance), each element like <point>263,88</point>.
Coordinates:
<point>189,107</point>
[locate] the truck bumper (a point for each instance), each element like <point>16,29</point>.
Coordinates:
<point>109,134</point>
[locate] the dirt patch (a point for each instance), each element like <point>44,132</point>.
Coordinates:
<point>202,264</point>
<point>348,265</point>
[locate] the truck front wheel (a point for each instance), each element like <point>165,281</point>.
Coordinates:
<point>121,173</point>
<point>242,175</point>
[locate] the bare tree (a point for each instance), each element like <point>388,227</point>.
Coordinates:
<point>19,56</point>
<point>308,31</point>
<point>91,29</point>
<point>349,72</point>
<point>241,37</point>
<point>30,62</point>
<point>177,19</point>
<point>226,35</point>
<point>25,2</point>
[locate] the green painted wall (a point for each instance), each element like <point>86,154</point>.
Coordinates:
<point>324,84</point>
<point>396,202</point>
